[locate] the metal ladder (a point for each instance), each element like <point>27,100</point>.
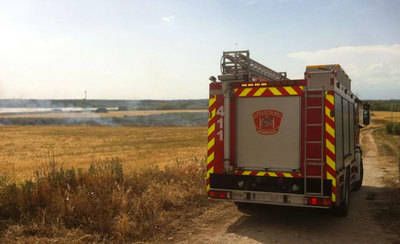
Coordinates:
<point>317,161</point>
<point>240,63</point>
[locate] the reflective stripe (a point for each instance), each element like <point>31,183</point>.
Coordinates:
<point>290,90</point>
<point>330,177</point>
<point>330,146</point>
<point>247,172</point>
<point>328,113</point>
<point>288,175</point>
<point>245,92</point>
<point>275,91</point>
<point>210,158</point>
<point>211,129</point>
<point>211,143</point>
<point>330,162</point>
<point>272,174</point>
<point>330,99</point>
<point>210,171</point>
<point>330,143</point>
<point>212,101</point>
<point>254,90</point>
<point>330,130</point>
<point>260,91</point>
<point>213,112</point>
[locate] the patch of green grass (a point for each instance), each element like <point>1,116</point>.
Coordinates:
<point>393,128</point>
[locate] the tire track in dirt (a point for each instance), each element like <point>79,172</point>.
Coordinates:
<point>222,223</point>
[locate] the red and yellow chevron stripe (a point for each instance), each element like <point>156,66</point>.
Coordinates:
<point>271,91</point>
<point>211,139</point>
<point>330,141</point>
<point>270,173</point>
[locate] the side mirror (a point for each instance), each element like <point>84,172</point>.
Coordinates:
<point>212,79</point>
<point>366,114</point>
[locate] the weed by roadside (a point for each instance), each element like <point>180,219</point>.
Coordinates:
<point>101,202</point>
<point>393,128</point>
<point>389,210</point>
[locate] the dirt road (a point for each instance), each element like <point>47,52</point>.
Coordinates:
<point>222,223</point>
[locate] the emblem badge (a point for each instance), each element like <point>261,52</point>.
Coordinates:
<point>267,121</point>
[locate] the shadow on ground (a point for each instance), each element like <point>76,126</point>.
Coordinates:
<point>369,206</point>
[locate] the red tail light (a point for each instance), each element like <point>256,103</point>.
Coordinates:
<point>313,201</point>
<point>219,194</point>
<point>316,201</point>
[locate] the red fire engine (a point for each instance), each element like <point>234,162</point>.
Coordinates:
<point>273,140</point>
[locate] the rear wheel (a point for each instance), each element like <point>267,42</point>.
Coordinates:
<point>343,209</point>
<point>358,184</point>
<point>246,208</point>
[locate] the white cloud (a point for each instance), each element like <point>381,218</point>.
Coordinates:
<point>374,70</point>
<point>168,19</point>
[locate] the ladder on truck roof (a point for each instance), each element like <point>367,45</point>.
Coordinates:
<point>314,104</point>
<point>237,65</point>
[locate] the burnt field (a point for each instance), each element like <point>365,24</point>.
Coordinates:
<point>99,183</point>
<point>100,176</point>
<point>98,103</point>
<point>171,118</point>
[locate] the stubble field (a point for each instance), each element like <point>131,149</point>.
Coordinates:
<point>99,183</point>
<point>24,148</point>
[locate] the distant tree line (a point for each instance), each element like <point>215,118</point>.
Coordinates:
<point>384,105</point>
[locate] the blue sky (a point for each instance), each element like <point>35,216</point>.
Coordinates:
<point>168,49</point>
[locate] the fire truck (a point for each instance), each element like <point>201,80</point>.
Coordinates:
<point>278,141</point>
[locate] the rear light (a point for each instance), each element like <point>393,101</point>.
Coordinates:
<point>313,201</point>
<point>219,194</point>
<point>326,201</point>
<point>316,201</point>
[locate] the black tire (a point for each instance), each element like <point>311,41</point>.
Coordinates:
<point>343,209</point>
<point>358,184</point>
<point>246,208</point>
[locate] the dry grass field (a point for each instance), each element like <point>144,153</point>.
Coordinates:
<point>24,148</point>
<point>99,183</point>
<point>385,116</point>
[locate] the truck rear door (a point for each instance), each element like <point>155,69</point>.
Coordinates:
<point>267,127</point>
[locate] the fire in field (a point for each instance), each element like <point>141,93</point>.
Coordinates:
<point>92,183</point>
<point>121,122</point>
